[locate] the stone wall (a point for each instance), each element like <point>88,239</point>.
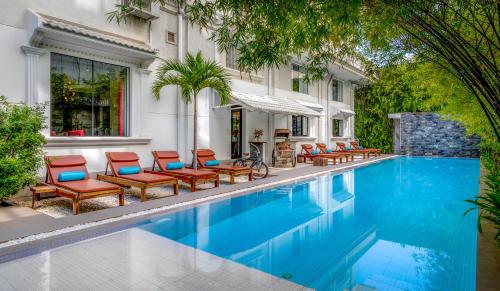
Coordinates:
<point>427,134</point>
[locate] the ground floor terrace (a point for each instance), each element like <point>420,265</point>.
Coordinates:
<point>97,250</point>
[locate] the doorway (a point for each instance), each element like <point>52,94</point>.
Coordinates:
<point>236,133</point>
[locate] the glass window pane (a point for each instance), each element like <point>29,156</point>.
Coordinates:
<point>232,56</point>
<point>88,98</point>
<point>300,125</point>
<point>335,90</point>
<point>298,82</point>
<point>337,127</point>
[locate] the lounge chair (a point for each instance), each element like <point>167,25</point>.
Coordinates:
<point>205,155</point>
<point>188,175</point>
<point>373,151</point>
<point>69,175</point>
<point>306,153</point>
<point>284,153</point>
<point>323,149</point>
<point>126,171</point>
<point>364,153</point>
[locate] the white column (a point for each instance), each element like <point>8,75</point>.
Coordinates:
<point>32,56</point>
<point>143,75</point>
<point>182,111</point>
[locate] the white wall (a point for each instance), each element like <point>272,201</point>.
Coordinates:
<point>12,74</point>
<point>86,12</point>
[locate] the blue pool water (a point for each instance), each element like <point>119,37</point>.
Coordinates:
<point>395,225</point>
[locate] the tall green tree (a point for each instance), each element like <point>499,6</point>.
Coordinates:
<point>192,76</point>
<point>462,36</point>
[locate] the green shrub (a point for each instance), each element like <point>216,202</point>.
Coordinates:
<point>21,145</point>
<point>488,201</point>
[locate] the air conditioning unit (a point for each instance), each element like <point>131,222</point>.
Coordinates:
<point>143,11</point>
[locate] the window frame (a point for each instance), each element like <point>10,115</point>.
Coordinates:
<point>339,126</point>
<point>127,101</point>
<point>337,93</point>
<point>232,59</point>
<point>304,130</point>
<point>297,68</point>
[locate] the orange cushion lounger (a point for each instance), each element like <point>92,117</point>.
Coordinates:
<point>205,155</point>
<point>143,180</point>
<point>341,154</point>
<point>374,152</point>
<point>188,175</point>
<point>364,153</point>
<point>79,189</point>
<point>306,153</point>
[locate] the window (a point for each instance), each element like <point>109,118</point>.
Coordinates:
<point>170,37</point>
<point>337,90</point>
<point>298,82</point>
<point>300,125</point>
<point>232,56</point>
<point>87,98</point>
<point>338,128</point>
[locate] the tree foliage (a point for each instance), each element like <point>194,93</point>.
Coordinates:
<point>395,91</point>
<point>192,76</point>
<point>462,36</point>
<point>20,146</point>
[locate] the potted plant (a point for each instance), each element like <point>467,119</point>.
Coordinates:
<point>257,133</point>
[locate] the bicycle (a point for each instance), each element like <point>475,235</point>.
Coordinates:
<point>260,169</point>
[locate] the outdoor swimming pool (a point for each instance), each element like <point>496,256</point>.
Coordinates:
<point>397,224</point>
<point>394,225</point>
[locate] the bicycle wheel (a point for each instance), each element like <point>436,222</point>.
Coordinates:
<point>260,170</point>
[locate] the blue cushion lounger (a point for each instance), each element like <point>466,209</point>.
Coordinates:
<point>69,175</point>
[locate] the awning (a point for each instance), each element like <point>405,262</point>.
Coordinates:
<point>272,104</point>
<point>342,113</point>
<point>313,106</point>
<point>50,30</point>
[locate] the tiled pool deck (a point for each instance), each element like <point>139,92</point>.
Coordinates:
<point>133,259</point>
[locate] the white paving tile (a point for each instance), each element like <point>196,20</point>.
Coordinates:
<point>133,259</point>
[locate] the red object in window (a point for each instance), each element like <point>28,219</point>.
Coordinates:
<point>120,109</point>
<point>76,132</point>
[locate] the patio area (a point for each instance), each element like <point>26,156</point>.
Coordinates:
<point>54,214</point>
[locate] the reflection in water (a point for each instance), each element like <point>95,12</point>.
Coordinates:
<point>395,225</point>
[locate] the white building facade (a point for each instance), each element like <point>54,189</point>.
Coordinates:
<point>95,78</point>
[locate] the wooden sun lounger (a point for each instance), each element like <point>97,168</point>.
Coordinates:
<point>143,180</point>
<point>204,155</point>
<point>373,151</point>
<point>364,153</point>
<point>306,153</point>
<point>340,154</point>
<point>80,189</point>
<point>187,175</point>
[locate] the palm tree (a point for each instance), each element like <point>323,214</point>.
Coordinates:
<point>192,76</point>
